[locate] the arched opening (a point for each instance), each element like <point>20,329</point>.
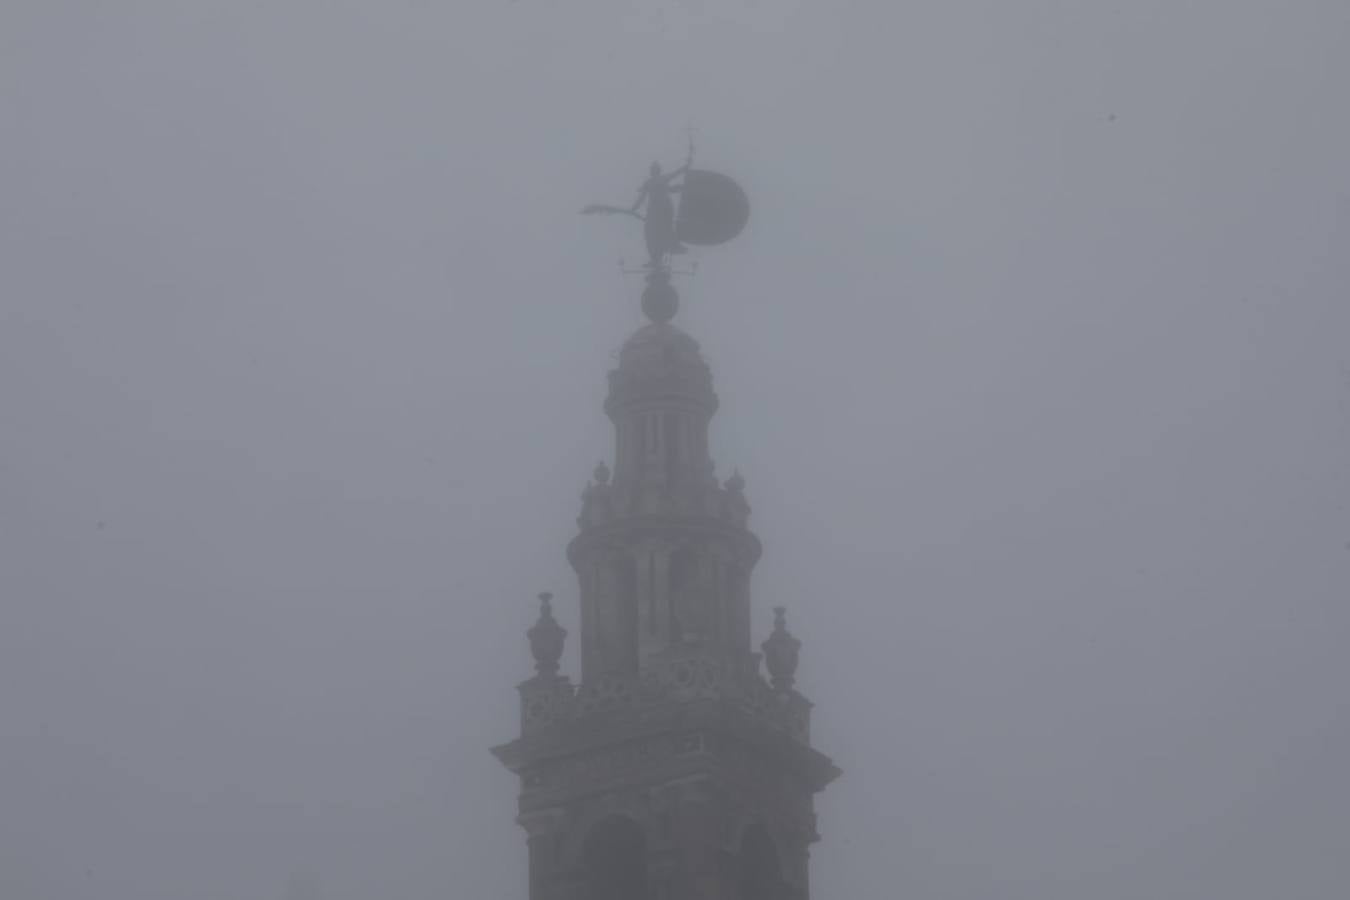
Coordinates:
<point>760,878</point>
<point>627,661</point>
<point>673,452</point>
<point>681,578</point>
<point>615,857</point>
<point>615,621</point>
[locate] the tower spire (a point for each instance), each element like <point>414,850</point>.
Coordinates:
<point>673,770</point>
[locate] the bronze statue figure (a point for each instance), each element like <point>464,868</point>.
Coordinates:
<point>658,223</point>
<point>712,210</point>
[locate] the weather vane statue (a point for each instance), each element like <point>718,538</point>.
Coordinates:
<point>712,209</point>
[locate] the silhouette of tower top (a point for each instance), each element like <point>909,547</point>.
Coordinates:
<point>673,770</point>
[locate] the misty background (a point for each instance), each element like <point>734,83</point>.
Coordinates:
<point>1035,357</point>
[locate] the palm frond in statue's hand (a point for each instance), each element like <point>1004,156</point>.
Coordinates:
<point>603,208</point>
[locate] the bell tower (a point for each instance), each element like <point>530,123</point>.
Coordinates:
<point>674,770</point>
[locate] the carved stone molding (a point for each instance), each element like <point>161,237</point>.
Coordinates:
<point>674,679</point>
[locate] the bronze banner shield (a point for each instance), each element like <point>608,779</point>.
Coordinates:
<point>713,209</point>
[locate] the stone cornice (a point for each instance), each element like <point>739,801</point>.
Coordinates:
<point>622,531</point>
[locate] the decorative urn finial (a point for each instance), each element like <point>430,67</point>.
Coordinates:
<point>735,506</point>
<point>780,652</point>
<point>546,638</point>
<point>601,474</point>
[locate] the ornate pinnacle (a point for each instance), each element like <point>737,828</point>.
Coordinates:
<point>780,652</point>
<point>736,507</point>
<point>546,638</point>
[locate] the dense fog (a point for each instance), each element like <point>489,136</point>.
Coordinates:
<point>1035,357</point>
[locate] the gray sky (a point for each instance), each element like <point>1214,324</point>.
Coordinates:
<point>1036,359</point>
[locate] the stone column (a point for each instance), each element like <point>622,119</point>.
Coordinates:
<point>541,829</point>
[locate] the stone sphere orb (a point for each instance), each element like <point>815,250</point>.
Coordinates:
<point>659,300</point>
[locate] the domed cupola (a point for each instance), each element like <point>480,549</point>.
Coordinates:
<point>661,400</point>
<point>664,555</point>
